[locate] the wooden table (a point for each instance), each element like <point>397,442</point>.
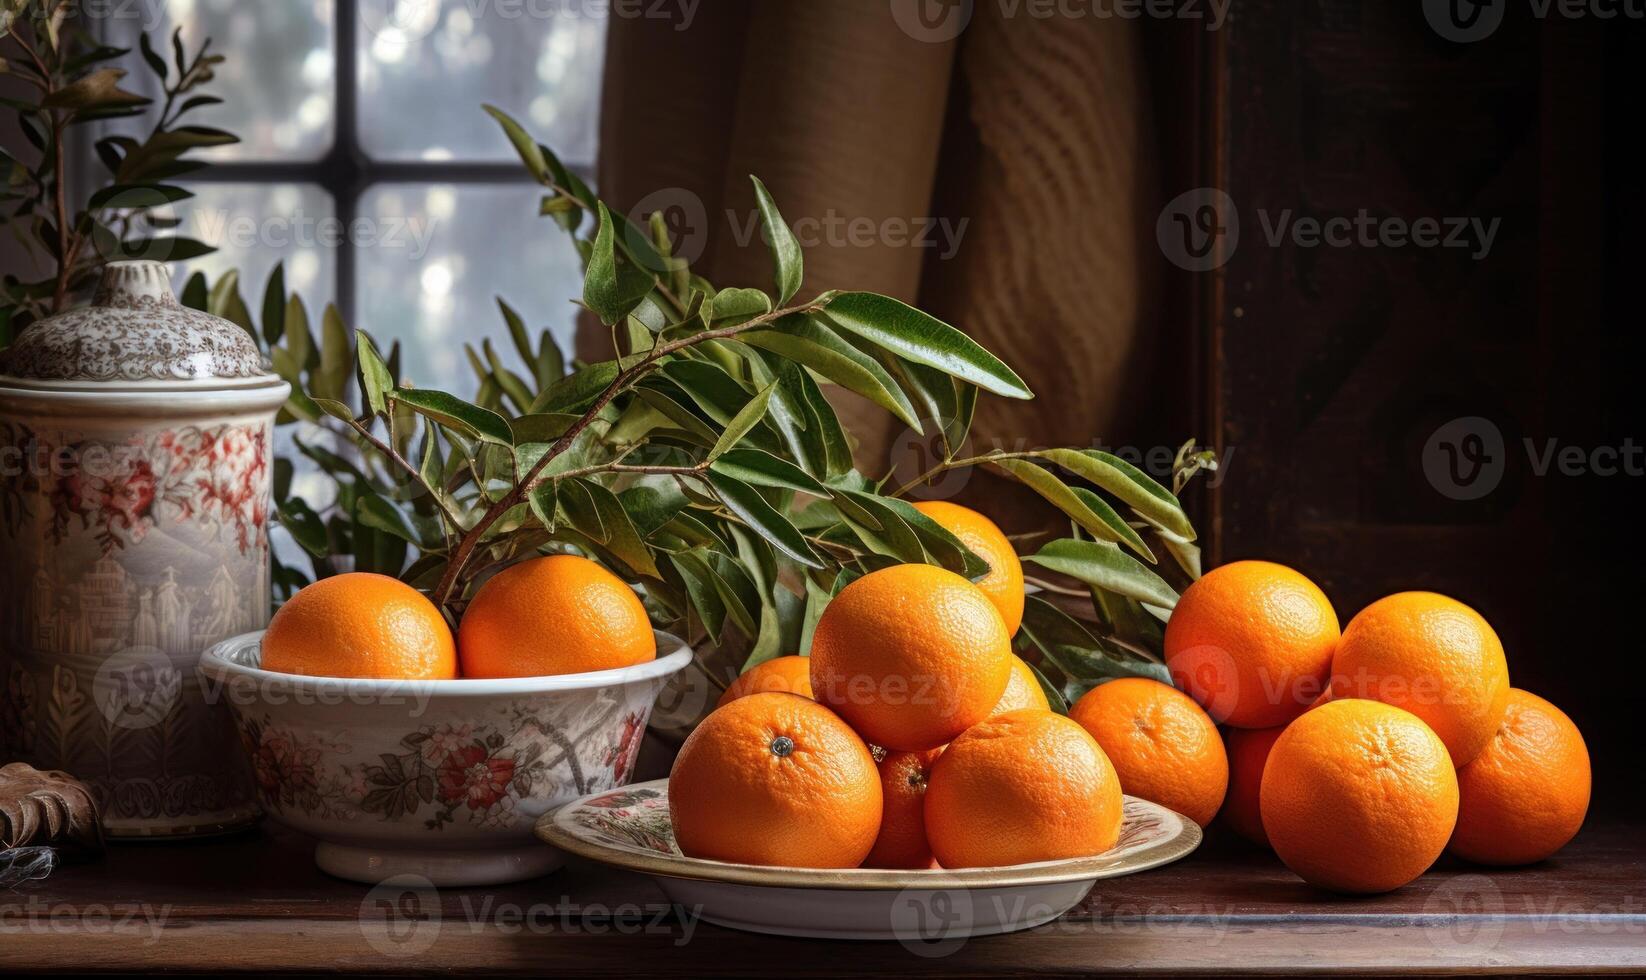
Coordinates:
<point>256,903</point>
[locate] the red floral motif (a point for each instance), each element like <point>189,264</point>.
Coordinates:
<point>121,490</point>
<point>472,775</point>
<point>622,755</point>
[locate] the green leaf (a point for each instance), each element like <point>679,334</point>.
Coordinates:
<point>194,292</point>
<point>747,418</point>
<point>702,591</point>
<point>611,289</point>
<point>807,341</point>
<point>596,511</point>
<point>376,513</point>
<point>1130,484</point>
<point>785,250</point>
<point>1060,495</point>
<point>1123,532</point>
<point>1102,565</point>
<point>761,468</point>
<point>739,304</point>
<point>1084,660</point>
<point>98,89</point>
<point>274,305</point>
<point>305,526</point>
<point>331,378</point>
<point>747,503</point>
<point>298,339</point>
<point>375,381</point>
<point>530,154</point>
<point>544,502</point>
<point>576,391</point>
<point>923,339</point>
<point>455,413</point>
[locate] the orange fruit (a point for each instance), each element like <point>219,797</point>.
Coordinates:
<point>902,839</point>
<point>561,614</point>
<point>1164,748</point>
<point>1028,785</point>
<point>360,624</point>
<point>910,656</point>
<point>775,779</point>
<point>1525,795</point>
<point>1252,641</point>
<point>1004,583</point>
<point>1358,796</point>
<point>1022,690</point>
<point>1248,750</point>
<point>790,674</point>
<point>1433,656</point>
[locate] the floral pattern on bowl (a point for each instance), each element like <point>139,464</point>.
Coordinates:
<point>443,779</point>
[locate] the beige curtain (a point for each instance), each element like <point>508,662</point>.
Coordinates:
<point>1028,141</point>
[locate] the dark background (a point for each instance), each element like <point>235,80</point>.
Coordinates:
<point>1328,371</point>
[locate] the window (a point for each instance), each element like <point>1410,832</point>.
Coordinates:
<point>367,166</point>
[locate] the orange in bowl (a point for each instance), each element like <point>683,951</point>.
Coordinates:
<point>775,779</point>
<point>560,614</point>
<point>1004,583</point>
<point>1025,786</point>
<point>360,624</point>
<point>910,656</point>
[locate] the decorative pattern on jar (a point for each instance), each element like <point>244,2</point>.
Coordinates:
<point>134,514</point>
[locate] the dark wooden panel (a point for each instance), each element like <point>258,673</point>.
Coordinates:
<point>1336,368</point>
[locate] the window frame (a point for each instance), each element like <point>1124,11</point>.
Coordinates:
<point>346,171</point>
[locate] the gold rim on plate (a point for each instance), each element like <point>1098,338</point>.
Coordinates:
<point>1151,836</point>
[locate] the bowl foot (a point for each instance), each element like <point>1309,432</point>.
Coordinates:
<point>373,865</point>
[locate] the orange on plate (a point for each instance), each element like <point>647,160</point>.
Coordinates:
<point>1025,786</point>
<point>560,614</point>
<point>910,656</point>
<point>1433,656</point>
<point>1004,583</point>
<point>775,779</point>
<point>1248,750</point>
<point>1163,746</point>
<point>1252,641</point>
<point>789,674</point>
<point>1022,690</point>
<point>1525,795</point>
<point>1358,796</point>
<point>360,624</point>
<point>902,839</point>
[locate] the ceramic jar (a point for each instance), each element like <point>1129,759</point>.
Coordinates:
<point>135,459</point>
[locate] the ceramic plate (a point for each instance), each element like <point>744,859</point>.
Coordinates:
<point>629,828</point>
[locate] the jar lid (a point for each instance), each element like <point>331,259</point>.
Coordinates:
<point>134,331</point>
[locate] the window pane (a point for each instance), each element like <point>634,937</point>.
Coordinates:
<point>254,226</point>
<point>468,244</point>
<point>276,82</point>
<point>427,65</point>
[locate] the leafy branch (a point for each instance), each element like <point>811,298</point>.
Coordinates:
<point>75,84</point>
<point>701,461</point>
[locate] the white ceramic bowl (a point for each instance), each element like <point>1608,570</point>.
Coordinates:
<point>438,779</point>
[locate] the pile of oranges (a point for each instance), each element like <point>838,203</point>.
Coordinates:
<point>912,736</point>
<point>559,614</point>
<point>1361,756</point>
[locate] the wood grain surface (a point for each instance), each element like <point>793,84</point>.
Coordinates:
<point>256,904</point>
